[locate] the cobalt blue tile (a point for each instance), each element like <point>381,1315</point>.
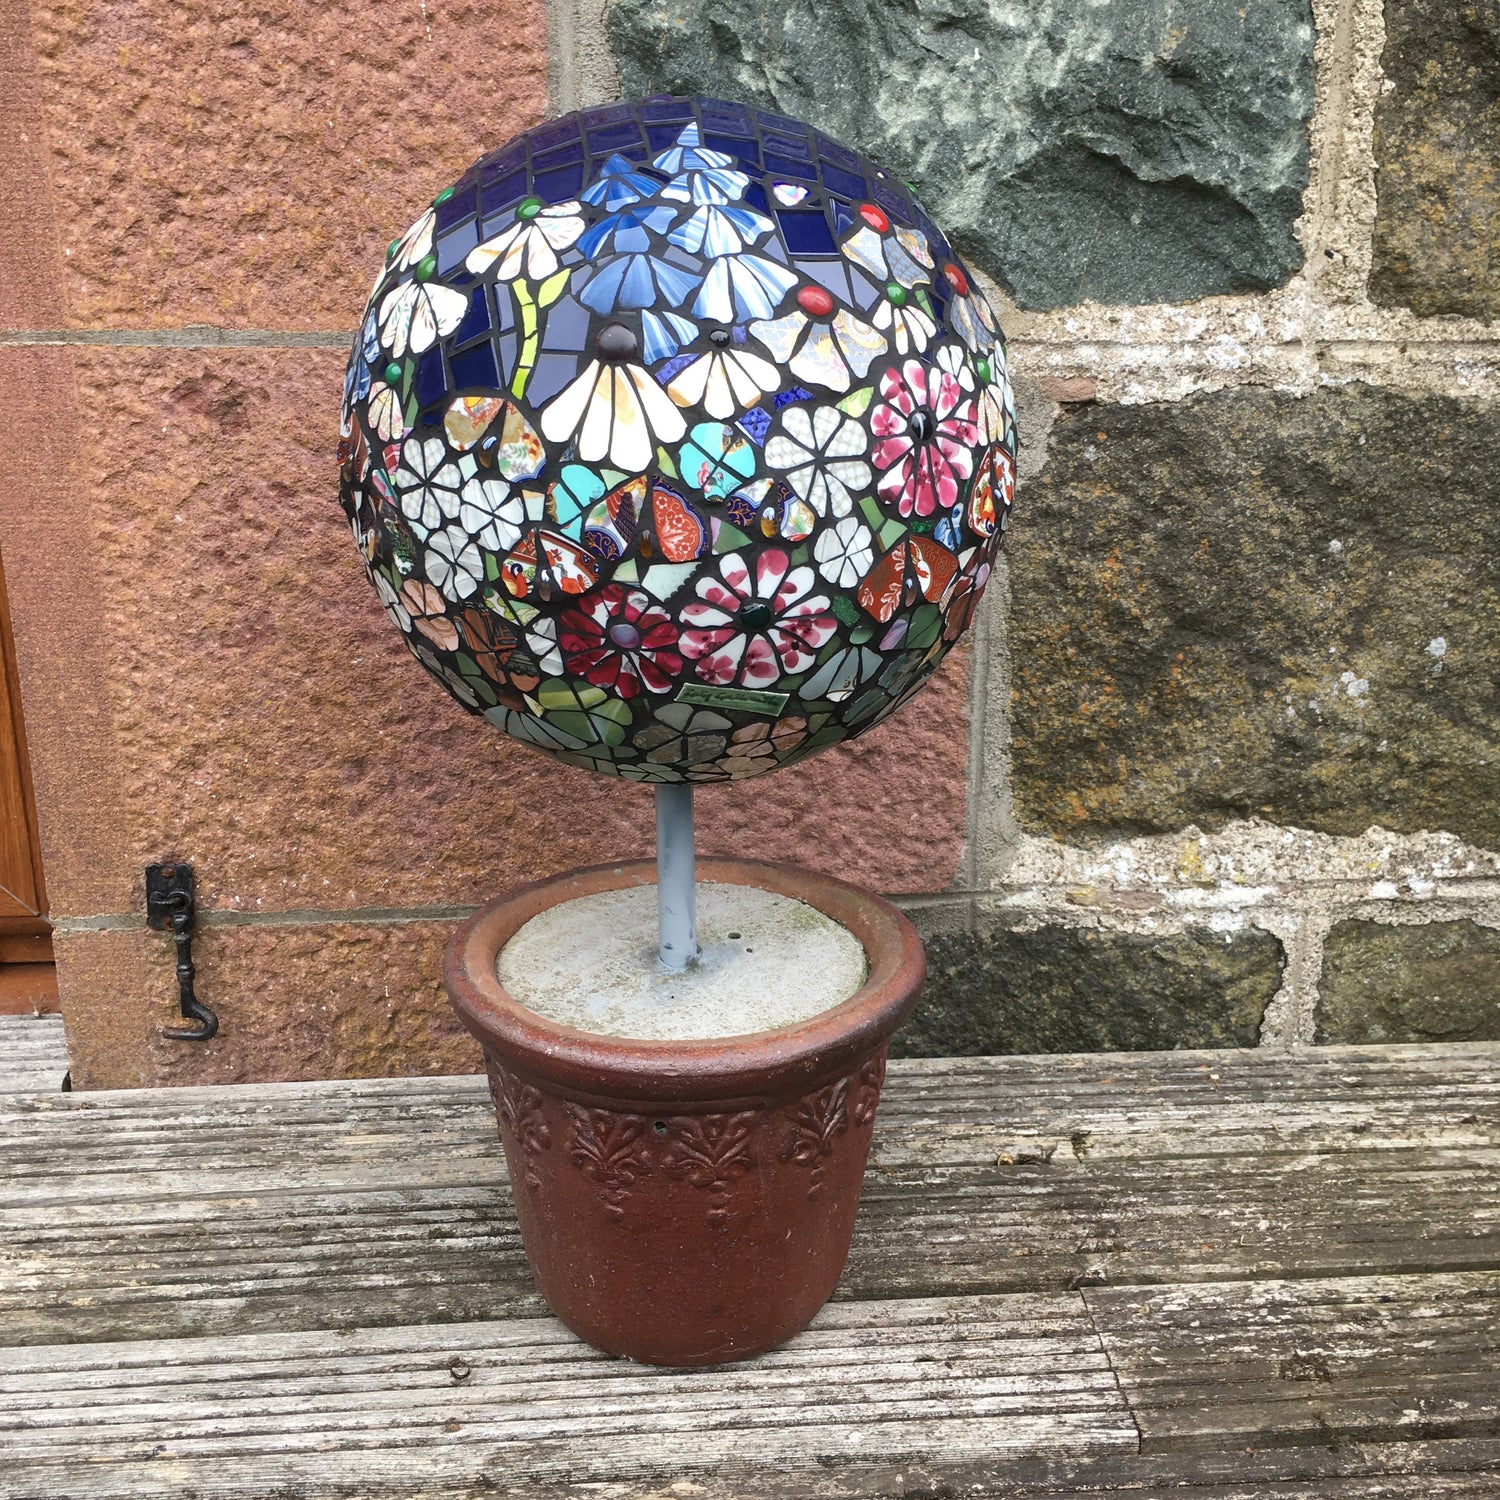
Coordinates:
<point>453,210</point>
<point>476,320</point>
<point>561,156</point>
<point>612,137</point>
<point>544,137</point>
<point>747,152</point>
<point>847,183</point>
<point>502,193</point>
<point>430,383</point>
<point>606,114</point>
<point>785,166</point>
<point>839,155</point>
<point>896,207</point>
<point>667,109</point>
<point>475,367</point>
<point>807,233</point>
<point>559,185</point>
<point>768,119</point>
<point>552,373</point>
<point>500,162</point>
<point>842,218</point>
<point>785,145</point>
<point>755,196</point>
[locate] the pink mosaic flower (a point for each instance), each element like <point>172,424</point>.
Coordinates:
<point>749,629</point>
<point>618,638</point>
<point>926,432</point>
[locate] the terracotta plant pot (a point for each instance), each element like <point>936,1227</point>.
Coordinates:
<point>687,1203</point>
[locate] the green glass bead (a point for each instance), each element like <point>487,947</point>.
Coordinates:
<point>392,373</point>
<point>390,250</point>
<point>982,365</point>
<point>529,208</point>
<point>896,292</point>
<point>443,196</point>
<point>427,268</point>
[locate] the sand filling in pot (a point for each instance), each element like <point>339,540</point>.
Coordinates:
<point>765,961</point>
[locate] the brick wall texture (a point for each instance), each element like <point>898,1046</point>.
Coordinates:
<point>1221,764</point>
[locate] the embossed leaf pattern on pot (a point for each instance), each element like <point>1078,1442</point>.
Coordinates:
<point>519,1107</point>
<point>607,1148</point>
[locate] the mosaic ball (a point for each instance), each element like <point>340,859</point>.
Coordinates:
<point>677,440</point>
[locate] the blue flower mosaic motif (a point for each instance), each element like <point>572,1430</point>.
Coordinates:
<point>677,413</point>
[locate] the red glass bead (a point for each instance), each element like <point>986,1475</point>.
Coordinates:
<point>814,300</point>
<point>874,217</point>
<point>956,279</point>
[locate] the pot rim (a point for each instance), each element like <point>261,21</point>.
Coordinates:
<point>784,1061</point>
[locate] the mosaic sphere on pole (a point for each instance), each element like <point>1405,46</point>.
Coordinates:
<point>677,440</point>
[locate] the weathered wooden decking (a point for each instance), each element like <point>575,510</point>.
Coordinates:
<point>1210,1274</point>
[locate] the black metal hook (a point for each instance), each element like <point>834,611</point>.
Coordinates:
<point>169,907</point>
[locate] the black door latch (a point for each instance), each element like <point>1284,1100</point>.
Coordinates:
<point>169,908</point>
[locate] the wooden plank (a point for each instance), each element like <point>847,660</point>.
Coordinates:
<point>959,1379</point>
<point>33,1054</point>
<point>1323,1361</point>
<point>279,1207</point>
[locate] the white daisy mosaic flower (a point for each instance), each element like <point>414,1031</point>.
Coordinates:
<point>845,552</point>
<point>615,411</point>
<point>724,381</point>
<point>453,563</point>
<point>427,485</point>
<point>492,513</point>
<point>821,453</point>
<point>529,247</point>
<point>416,314</point>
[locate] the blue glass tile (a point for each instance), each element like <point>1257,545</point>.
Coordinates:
<point>476,367</point>
<point>839,155</point>
<point>612,137</point>
<point>829,273</point>
<point>863,292</point>
<point>546,136</point>
<point>561,156</point>
<point>452,210</point>
<point>558,185</point>
<point>453,246</point>
<point>505,351</point>
<point>784,166</point>
<point>552,373</point>
<point>847,183</point>
<point>430,382</point>
<point>842,218</point>
<point>606,114</point>
<point>502,193</point>
<point>476,320</point>
<point>498,163</point>
<point>898,208</point>
<point>662,136</point>
<point>794,146</point>
<point>666,108</point>
<point>797,393</point>
<point>781,122</point>
<point>755,197</point>
<point>567,326</point>
<point>746,151</point>
<point>756,424</point>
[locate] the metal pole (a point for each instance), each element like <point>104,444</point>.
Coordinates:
<point>676,898</point>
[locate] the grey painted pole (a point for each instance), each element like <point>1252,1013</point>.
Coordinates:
<point>676,897</point>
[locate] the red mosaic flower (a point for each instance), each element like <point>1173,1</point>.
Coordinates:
<point>619,638</point>
<point>927,432</point>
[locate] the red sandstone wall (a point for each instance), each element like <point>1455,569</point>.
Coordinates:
<point>197,196</point>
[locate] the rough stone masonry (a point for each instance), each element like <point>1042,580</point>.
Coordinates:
<point>1237,710</point>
